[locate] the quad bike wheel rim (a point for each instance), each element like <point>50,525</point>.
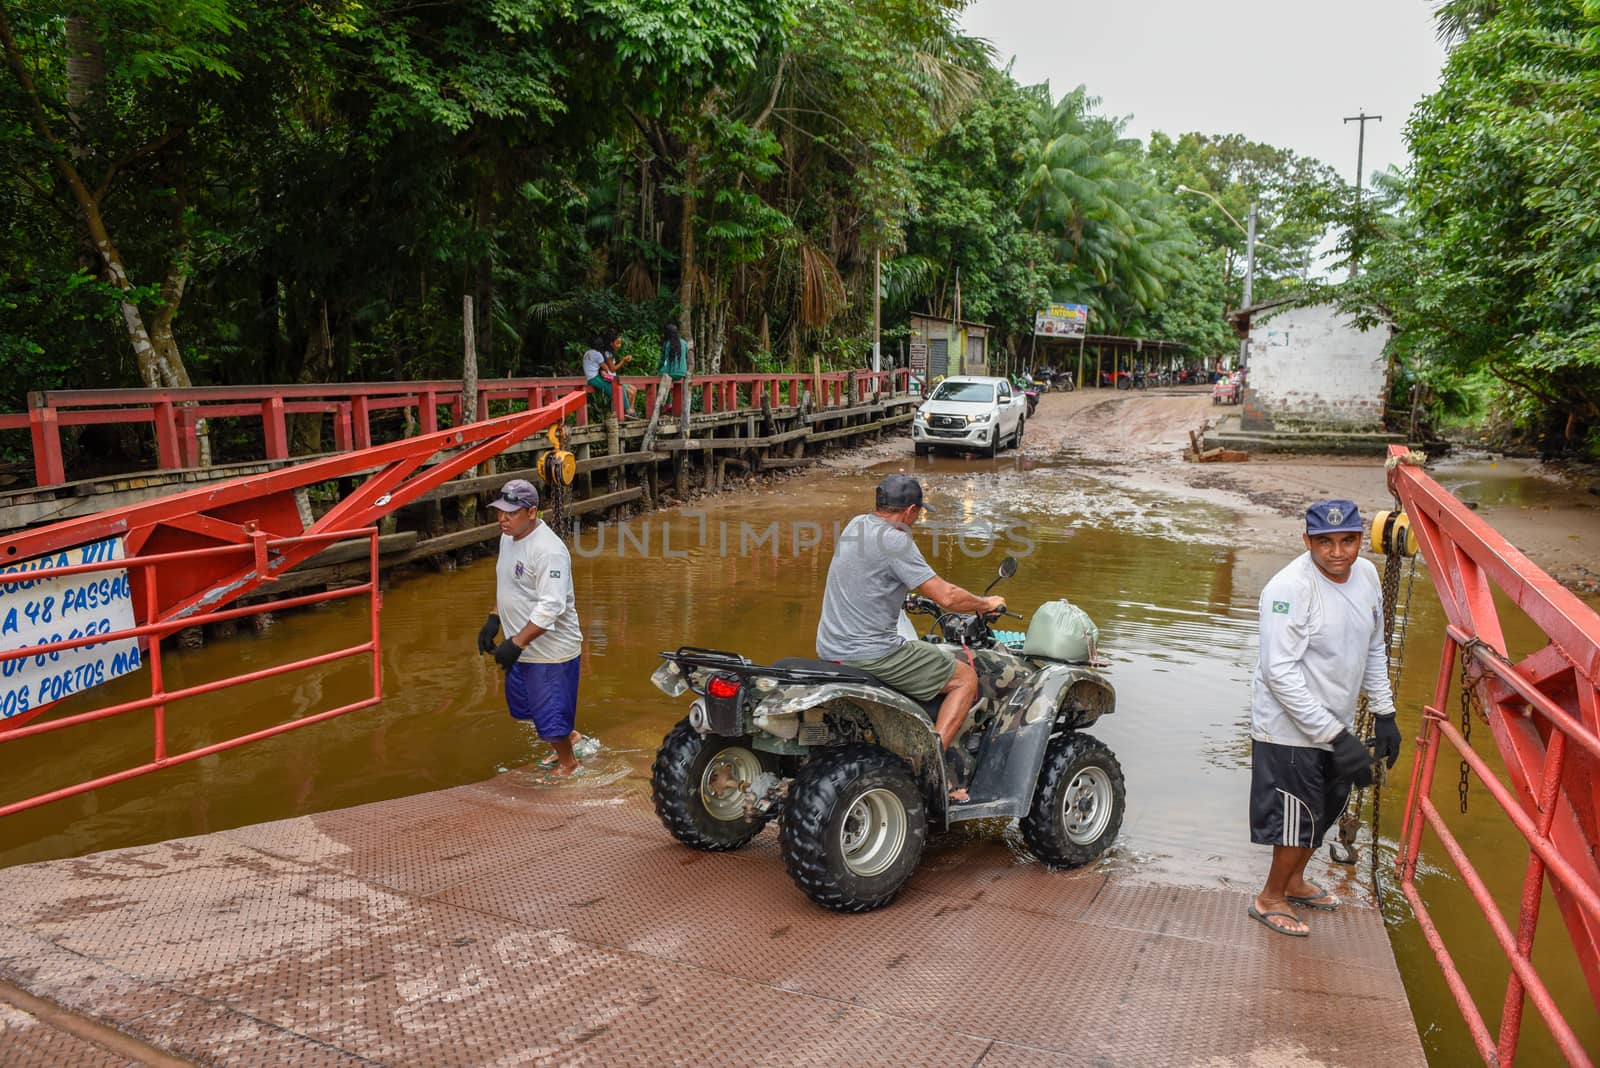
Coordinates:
<point>721,784</point>
<point>873,833</point>
<point>1086,805</point>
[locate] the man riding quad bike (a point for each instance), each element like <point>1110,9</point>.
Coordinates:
<point>857,758</point>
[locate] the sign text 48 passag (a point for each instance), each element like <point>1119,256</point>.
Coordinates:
<point>45,608</point>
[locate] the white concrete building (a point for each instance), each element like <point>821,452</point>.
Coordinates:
<point>1312,368</point>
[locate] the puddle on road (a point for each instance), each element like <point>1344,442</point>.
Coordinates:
<point>1174,602</point>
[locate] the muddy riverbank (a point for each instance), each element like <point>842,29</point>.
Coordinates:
<point>1136,441</point>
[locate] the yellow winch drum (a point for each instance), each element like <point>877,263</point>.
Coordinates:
<point>557,465</point>
<point>1391,532</point>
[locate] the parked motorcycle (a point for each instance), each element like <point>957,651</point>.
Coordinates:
<point>1028,389</point>
<point>855,772</point>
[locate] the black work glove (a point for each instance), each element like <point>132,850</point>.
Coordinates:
<point>487,633</point>
<point>1386,743</point>
<point>506,654</point>
<point>1352,761</point>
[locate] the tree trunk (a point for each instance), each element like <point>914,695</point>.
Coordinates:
<point>86,80</point>
<point>469,363</point>
<point>305,428</point>
<point>483,290</point>
<point>686,252</point>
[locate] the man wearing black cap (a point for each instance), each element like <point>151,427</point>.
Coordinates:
<point>874,565</point>
<point>1322,647</point>
<point>533,601</point>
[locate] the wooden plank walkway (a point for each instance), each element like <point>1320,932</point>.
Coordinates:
<point>511,923</point>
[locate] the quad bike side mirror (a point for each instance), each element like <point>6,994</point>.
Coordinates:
<point>1008,567</point>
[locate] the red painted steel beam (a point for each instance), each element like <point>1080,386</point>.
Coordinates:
<point>1543,713</point>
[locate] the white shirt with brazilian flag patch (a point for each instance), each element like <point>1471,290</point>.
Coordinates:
<point>1321,646</point>
<point>533,584</point>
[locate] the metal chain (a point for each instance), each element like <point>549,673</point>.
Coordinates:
<point>1396,617</point>
<point>558,491</point>
<point>1468,699</point>
<point>560,508</point>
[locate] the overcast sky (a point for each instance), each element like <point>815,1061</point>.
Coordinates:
<point>1285,72</point>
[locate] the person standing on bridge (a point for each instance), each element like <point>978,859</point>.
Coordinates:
<point>534,604</point>
<point>674,369</point>
<point>1322,647</point>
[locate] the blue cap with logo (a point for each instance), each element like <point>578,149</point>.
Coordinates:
<point>517,494</point>
<point>1334,517</point>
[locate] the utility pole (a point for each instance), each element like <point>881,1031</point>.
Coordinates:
<point>1361,147</point>
<point>1249,282</point>
<point>877,310</point>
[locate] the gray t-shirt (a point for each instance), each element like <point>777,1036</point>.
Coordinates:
<point>874,565</point>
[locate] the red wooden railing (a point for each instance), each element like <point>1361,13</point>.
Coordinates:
<point>175,413</point>
<point>1543,712</point>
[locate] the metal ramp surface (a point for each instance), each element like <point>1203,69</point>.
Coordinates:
<point>512,923</point>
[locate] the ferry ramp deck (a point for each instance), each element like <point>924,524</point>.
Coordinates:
<point>510,922</point>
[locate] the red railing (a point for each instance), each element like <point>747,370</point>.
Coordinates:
<point>175,413</point>
<point>149,635</point>
<point>1544,714</point>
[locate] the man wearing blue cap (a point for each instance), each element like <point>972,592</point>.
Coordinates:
<point>534,603</point>
<point>1322,647</point>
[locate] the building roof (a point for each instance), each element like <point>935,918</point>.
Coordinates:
<point>947,320</point>
<point>1244,315</point>
<point>1152,343</point>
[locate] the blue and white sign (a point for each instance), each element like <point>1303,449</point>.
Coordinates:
<point>45,608</point>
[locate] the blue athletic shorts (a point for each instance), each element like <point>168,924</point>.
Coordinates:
<point>546,694</point>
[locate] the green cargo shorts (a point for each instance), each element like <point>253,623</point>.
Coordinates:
<point>917,669</point>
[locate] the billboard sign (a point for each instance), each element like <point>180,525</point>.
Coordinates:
<point>1062,320</point>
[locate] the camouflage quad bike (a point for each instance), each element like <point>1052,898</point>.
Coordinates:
<point>854,769</point>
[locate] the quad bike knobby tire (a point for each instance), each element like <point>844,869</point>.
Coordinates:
<point>694,783</point>
<point>1016,439</point>
<point>1077,808</point>
<point>853,828</point>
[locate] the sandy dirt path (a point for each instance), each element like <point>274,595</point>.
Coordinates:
<point>1138,440</point>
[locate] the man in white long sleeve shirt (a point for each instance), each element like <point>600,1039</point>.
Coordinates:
<point>1322,647</point>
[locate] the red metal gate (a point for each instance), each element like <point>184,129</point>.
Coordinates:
<point>149,636</point>
<point>1544,714</point>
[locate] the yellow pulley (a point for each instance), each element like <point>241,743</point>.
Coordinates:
<point>557,465</point>
<point>1391,532</point>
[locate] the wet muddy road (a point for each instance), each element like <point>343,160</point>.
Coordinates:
<point>1175,602</point>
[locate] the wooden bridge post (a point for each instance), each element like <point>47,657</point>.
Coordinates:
<point>167,455</point>
<point>49,468</point>
<point>275,428</point>
<point>613,448</point>
<point>427,412</point>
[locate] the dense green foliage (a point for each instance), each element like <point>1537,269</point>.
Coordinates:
<point>227,192</point>
<point>1486,254</point>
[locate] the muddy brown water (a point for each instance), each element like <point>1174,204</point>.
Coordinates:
<point>1175,603</point>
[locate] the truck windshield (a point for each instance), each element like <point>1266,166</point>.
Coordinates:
<point>973,392</point>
